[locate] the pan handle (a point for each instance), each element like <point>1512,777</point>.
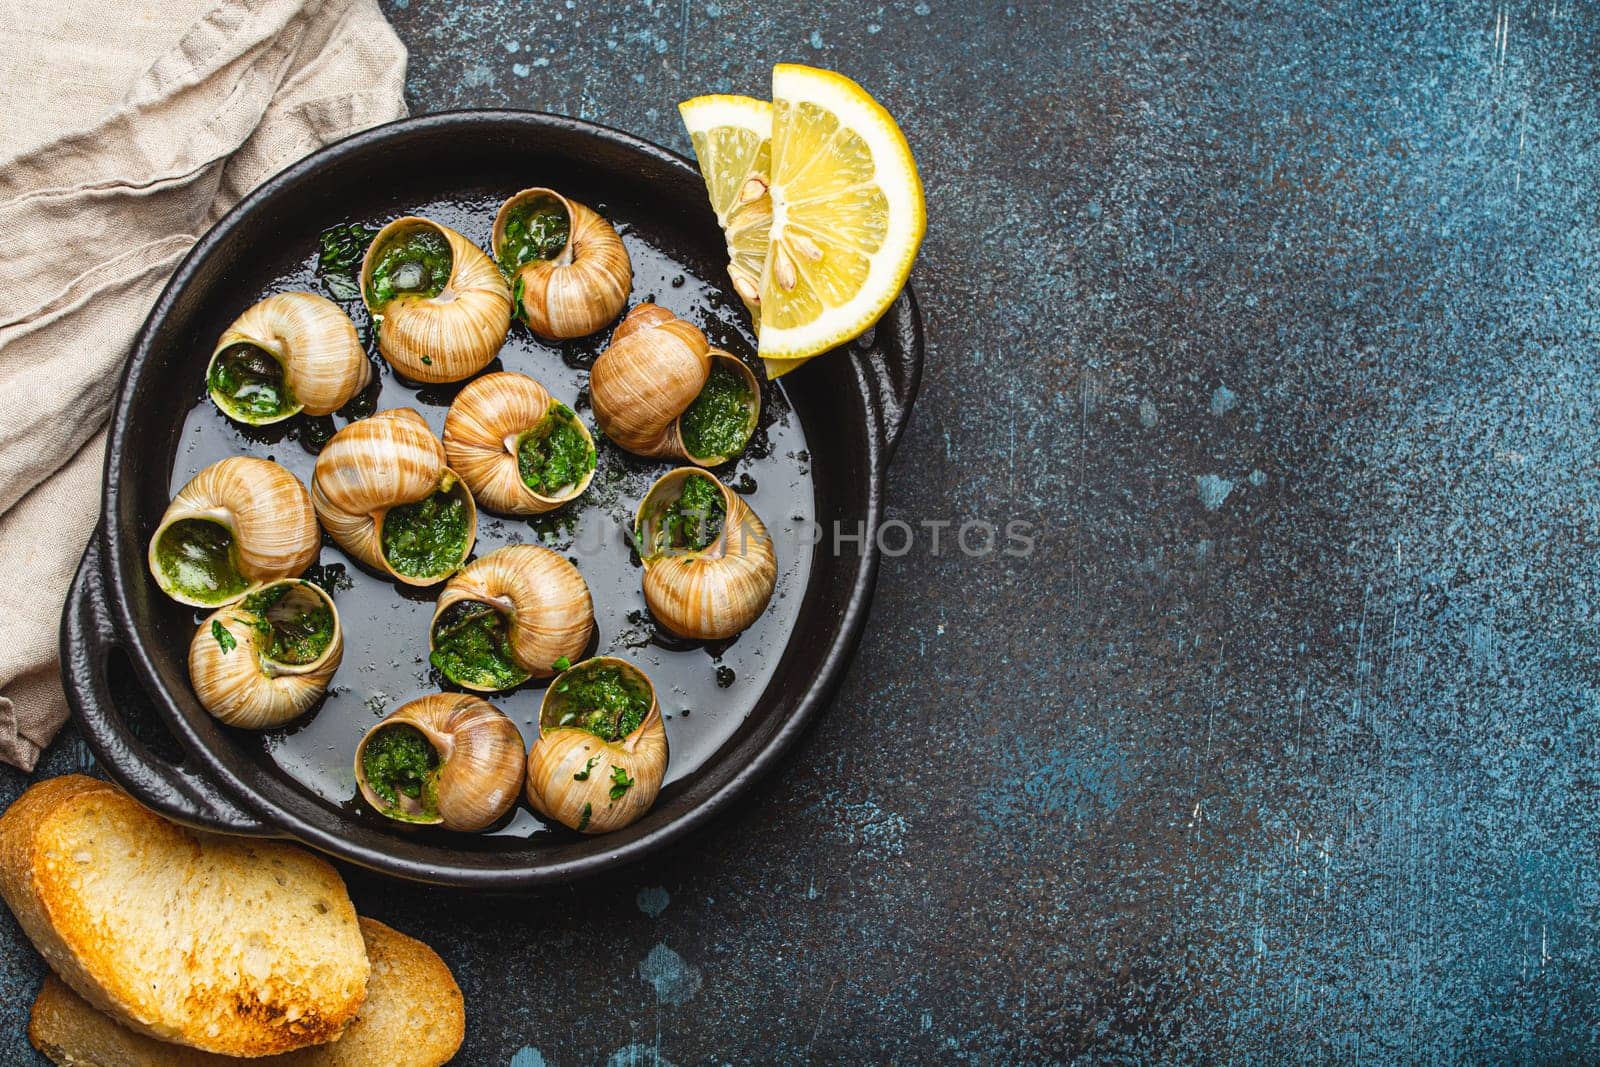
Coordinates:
<point>890,357</point>
<point>88,639</point>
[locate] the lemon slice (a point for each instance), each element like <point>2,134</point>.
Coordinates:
<point>847,216</point>
<point>732,138</point>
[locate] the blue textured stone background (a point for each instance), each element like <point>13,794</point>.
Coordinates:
<point>1280,322</point>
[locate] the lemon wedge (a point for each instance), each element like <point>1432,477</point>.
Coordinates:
<point>732,137</point>
<point>847,216</point>
<point>819,199</point>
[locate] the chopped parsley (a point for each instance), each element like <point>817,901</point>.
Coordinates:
<point>554,456</point>
<point>427,538</point>
<point>620,782</point>
<point>516,299</point>
<point>689,523</point>
<point>399,760</point>
<point>601,700</point>
<point>537,228</point>
<point>343,247</point>
<point>472,646</point>
<point>249,384</point>
<point>197,557</point>
<point>717,424</point>
<point>295,624</point>
<point>224,639</point>
<point>413,261</point>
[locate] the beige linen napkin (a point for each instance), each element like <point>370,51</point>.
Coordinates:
<point>127,127</point>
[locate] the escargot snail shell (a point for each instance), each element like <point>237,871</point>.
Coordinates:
<point>372,466</point>
<point>582,287</point>
<point>480,761</point>
<point>720,590</point>
<point>240,683</point>
<point>315,344</point>
<point>570,769</point>
<point>450,336</point>
<point>651,372</point>
<point>545,601</point>
<point>482,432</point>
<point>266,513</point>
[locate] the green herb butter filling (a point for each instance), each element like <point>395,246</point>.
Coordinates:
<point>249,384</point>
<point>472,646</point>
<point>717,424</point>
<point>197,558</point>
<point>689,523</point>
<point>412,261</point>
<point>555,456</point>
<point>536,228</point>
<point>599,698</point>
<point>427,538</point>
<point>296,622</point>
<point>401,767</point>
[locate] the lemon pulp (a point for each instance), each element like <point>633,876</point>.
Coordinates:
<point>732,137</point>
<point>847,216</point>
<point>823,215</point>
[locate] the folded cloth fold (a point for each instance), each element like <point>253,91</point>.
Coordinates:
<point>126,129</point>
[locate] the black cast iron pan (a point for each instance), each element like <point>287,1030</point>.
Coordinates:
<point>817,467</point>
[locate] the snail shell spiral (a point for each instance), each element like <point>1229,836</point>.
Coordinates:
<point>245,673</point>
<point>714,592</point>
<point>581,287</point>
<point>541,604</point>
<point>320,364</point>
<point>645,384</point>
<point>452,334</point>
<point>238,524</point>
<point>651,372</point>
<point>375,465</point>
<point>477,757</point>
<point>483,436</point>
<point>585,781</point>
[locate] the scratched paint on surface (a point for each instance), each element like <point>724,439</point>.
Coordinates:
<point>673,979</point>
<point>1303,770</point>
<point>653,900</point>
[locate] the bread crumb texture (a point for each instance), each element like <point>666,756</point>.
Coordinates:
<point>234,946</point>
<point>413,1017</point>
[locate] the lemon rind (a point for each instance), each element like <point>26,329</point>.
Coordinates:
<point>902,187</point>
<point>703,114</point>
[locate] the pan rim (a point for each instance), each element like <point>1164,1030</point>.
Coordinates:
<point>119,556</point>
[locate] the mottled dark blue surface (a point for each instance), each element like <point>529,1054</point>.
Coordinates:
<point>1281,324</point>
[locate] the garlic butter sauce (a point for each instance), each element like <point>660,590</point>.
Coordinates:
<point>705,692</point>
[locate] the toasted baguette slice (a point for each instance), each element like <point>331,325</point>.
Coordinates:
<point>231,945</point>
<point>413,1017</point>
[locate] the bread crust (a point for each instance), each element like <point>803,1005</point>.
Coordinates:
<point>413,1017</point>
<point>416,1016</point>
<point>184,936</point>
